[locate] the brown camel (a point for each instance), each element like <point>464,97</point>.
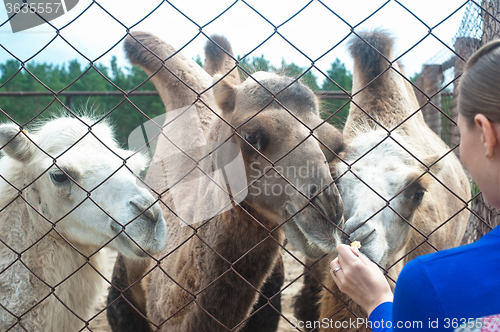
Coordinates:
<point>215,264</point>
<point>404,193</point>
<point>219,59</point>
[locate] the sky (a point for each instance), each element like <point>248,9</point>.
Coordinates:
<point>309,36</point>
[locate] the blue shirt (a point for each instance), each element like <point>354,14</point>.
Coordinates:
<point>444,290</point>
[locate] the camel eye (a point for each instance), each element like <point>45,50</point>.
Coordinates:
<point>59,177</point>
<point>252,139</point>
<point>419,195</point>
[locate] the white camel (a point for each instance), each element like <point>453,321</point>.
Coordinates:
<point>405,193</point>
<point>67,189</point>
<point>269,119</point>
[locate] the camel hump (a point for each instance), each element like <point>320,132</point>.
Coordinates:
<point>219,59</point>
<point>372,52</point>
<point>146,50</point>
<point>179,80</point>
<point>217,49</point>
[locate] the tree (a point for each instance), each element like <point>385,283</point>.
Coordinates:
<point>253,65</point>
<point>338,75</point>
<point>198,60</point>
<point>124,113</point>
<point>294,71</point>
<point>336,111</point>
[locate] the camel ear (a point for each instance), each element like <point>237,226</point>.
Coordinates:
<point>431,160</point>
<point>225,93</point>
<point>15,144</point>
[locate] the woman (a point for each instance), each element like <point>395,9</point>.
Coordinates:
<point>459,288</point>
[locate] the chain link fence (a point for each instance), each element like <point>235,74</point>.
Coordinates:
<point>205,222</point>
<point>479,25</point>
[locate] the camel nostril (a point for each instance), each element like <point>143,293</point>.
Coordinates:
<point>148,214</point>
<point>136,208</point>
<point>145,211</point>
<point>319,204</point>
<point>328,201</point>
<point>313,189</point>
<point>363,235</point>
<point>327,208</point>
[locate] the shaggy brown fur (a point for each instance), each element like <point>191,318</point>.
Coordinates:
<point>266,312</point>
<point>122,315</point>
<point>219,59</point>
<point>209,276</point>
<point>374,87</point>
<point>306,302</point>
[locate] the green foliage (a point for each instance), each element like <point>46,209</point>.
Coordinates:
<point>253,65</point>
<point>198,60</point>
<point>446,106</point>
<point>338,75</point>
<point>336,111</point>
<point>306,75</point>
<point>291,70</point>
<point>414,78</point>
<point>123,113</point>
<point>127,113</point>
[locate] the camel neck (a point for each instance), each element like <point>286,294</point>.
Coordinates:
<point>243,229</point>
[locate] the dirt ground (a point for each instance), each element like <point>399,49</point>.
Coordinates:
<point>293,269</point>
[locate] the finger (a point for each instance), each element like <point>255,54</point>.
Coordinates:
<point>335,266</point>
<point>334,263</point>
<point>338,275</point>
<point>355,251</point>
<point>336,280</point>
<point>345,251</point>
<point>369,263</point>
<point>346,256</point>
<point>365,259</point>
<point>333,275</point>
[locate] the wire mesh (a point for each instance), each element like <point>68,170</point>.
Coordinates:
<point>233,270</point>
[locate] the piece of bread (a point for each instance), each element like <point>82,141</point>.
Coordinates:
<point>356,244</point>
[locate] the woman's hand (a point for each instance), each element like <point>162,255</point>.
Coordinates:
<point>360,278</point>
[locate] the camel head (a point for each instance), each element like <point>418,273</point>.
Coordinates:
<point>286,149</point>
<point>385,189</point>
<point>76,180</point>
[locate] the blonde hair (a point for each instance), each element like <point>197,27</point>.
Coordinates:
<point>479,87</point>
